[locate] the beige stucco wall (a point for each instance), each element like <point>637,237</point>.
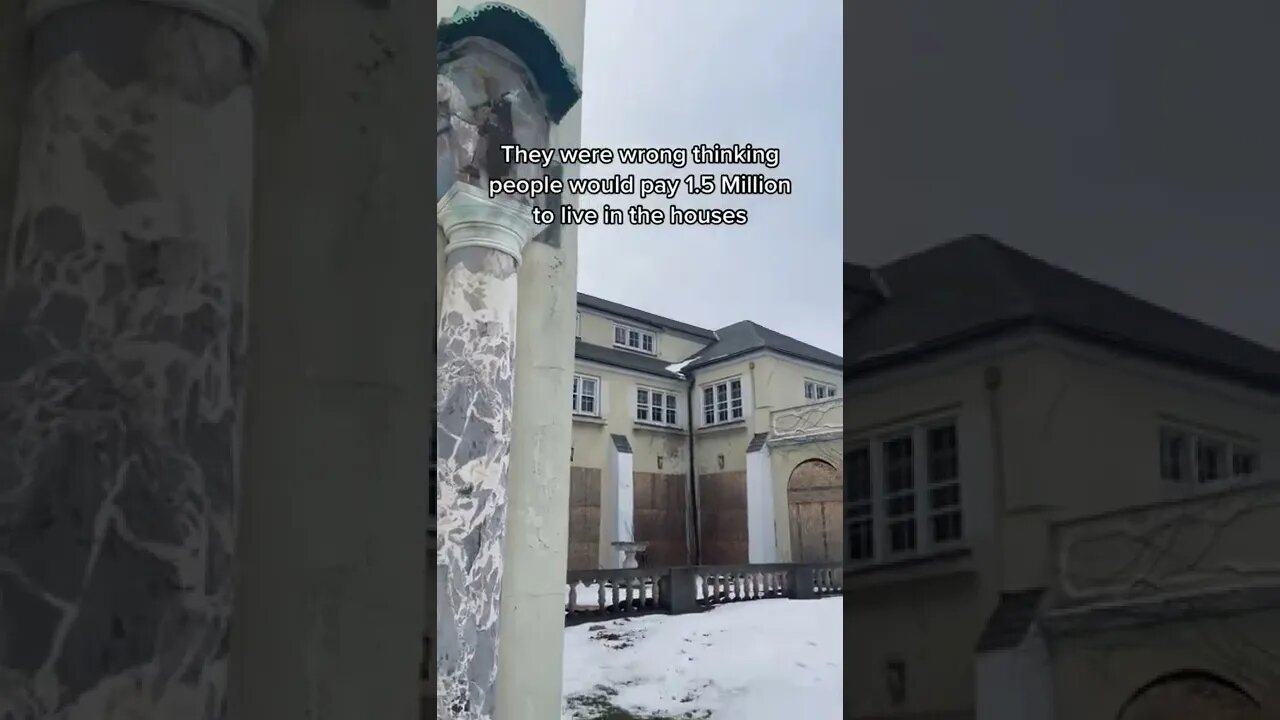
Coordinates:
<point>597,328</point>
<point>592,444</point>
<point>1079,428</point>
<point>731,439</point>
<point>779,381</point>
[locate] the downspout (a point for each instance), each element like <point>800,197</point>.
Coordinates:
<point>693,481</point>
<point>993,380</point>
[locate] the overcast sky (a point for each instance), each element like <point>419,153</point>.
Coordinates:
<point>675,73</point>
<point>1137,143</point>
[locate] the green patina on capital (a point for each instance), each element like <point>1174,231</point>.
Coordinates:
<point>524,36</point>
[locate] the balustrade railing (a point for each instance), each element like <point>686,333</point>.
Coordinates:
<point>598,594</point>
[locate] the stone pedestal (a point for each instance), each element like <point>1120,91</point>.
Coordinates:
<point>475,382</point>
<point>629,550</point>
<point>121,348</point>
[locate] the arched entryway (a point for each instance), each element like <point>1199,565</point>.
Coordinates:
<point>815,494</point>
<point>1191,695</point>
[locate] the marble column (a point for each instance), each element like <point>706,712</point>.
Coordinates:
<point>121,314</point>
<point>475,384</point>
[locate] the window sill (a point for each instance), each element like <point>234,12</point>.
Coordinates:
<point>588,419</point>
<point>637,351</point>
<point>657,427</point>
<point>957,560</point>
<point>733,425</point>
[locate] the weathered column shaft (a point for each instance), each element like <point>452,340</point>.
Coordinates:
<point>121,312</point>
<point>475,384</point>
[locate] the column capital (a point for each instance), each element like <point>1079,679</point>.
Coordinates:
<point>243,17</point>
<point>470,218</point>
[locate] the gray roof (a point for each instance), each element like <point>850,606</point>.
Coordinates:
<point>642,317</point>
<point>975,288</point>
<point>744,337</point>
<point>622,444</point>
<point>723,344</point>
<point>623,359</point>
<point>1009,621</point>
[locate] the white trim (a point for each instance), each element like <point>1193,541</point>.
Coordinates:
<point>822,390</point>
<point>576,394</point>
<point>600,367</point>
<point>809,365</point>
<point>762,531</point>
<point>649,406</point>
<point>1091,353</point>
<point>922,512</point>
<point>578,331</point>
<point>657,329</point>
<point>640,334</point>
<point>1232,444</point>
<point>715,386</point>
<point>623,466</point>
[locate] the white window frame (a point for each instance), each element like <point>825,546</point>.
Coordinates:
<point>1190,458</point>
<point>579,381</point>
<point>723,405</point>
<point>630,332</point>
<point>815,390</point>
<point>921,492</point>
<point>668,409</point>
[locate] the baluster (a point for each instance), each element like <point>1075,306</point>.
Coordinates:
<point>572,605</point>
<point>600,594</point>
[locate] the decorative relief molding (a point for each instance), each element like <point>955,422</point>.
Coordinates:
<point>815,420</point>
<point>1212,543</point>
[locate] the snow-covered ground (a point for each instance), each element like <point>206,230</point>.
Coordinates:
<point>757,660</point>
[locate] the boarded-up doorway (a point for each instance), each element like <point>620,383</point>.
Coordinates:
<point>584,518</point>
<point>660,519</point>
<point>815,506</point>
<point>723,509</point>
<point>1191,695</point>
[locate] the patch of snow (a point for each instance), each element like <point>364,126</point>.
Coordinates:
<point>678,368</point>
<point>757,660</point>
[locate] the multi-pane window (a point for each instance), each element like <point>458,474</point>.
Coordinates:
<point>815,390</point>
<point>722,402</point>
<point>656,406</point>
<point>859,514</point>
<point>1200,457</point>
<point>903,492</point>
<point>945,518</point>
<point>899,493</point>
<point>586,395</point>
<point>634,339</point>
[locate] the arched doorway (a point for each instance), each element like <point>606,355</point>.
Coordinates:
<point>815,495</point>
<point>1191,695</point>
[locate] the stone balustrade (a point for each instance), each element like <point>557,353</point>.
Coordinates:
<point>807,422</point>
<point>601,594</point>
<point>1207,543</point>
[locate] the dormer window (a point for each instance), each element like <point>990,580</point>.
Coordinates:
<point>635,339</point>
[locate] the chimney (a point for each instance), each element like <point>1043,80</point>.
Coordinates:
<point>864,290</point>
